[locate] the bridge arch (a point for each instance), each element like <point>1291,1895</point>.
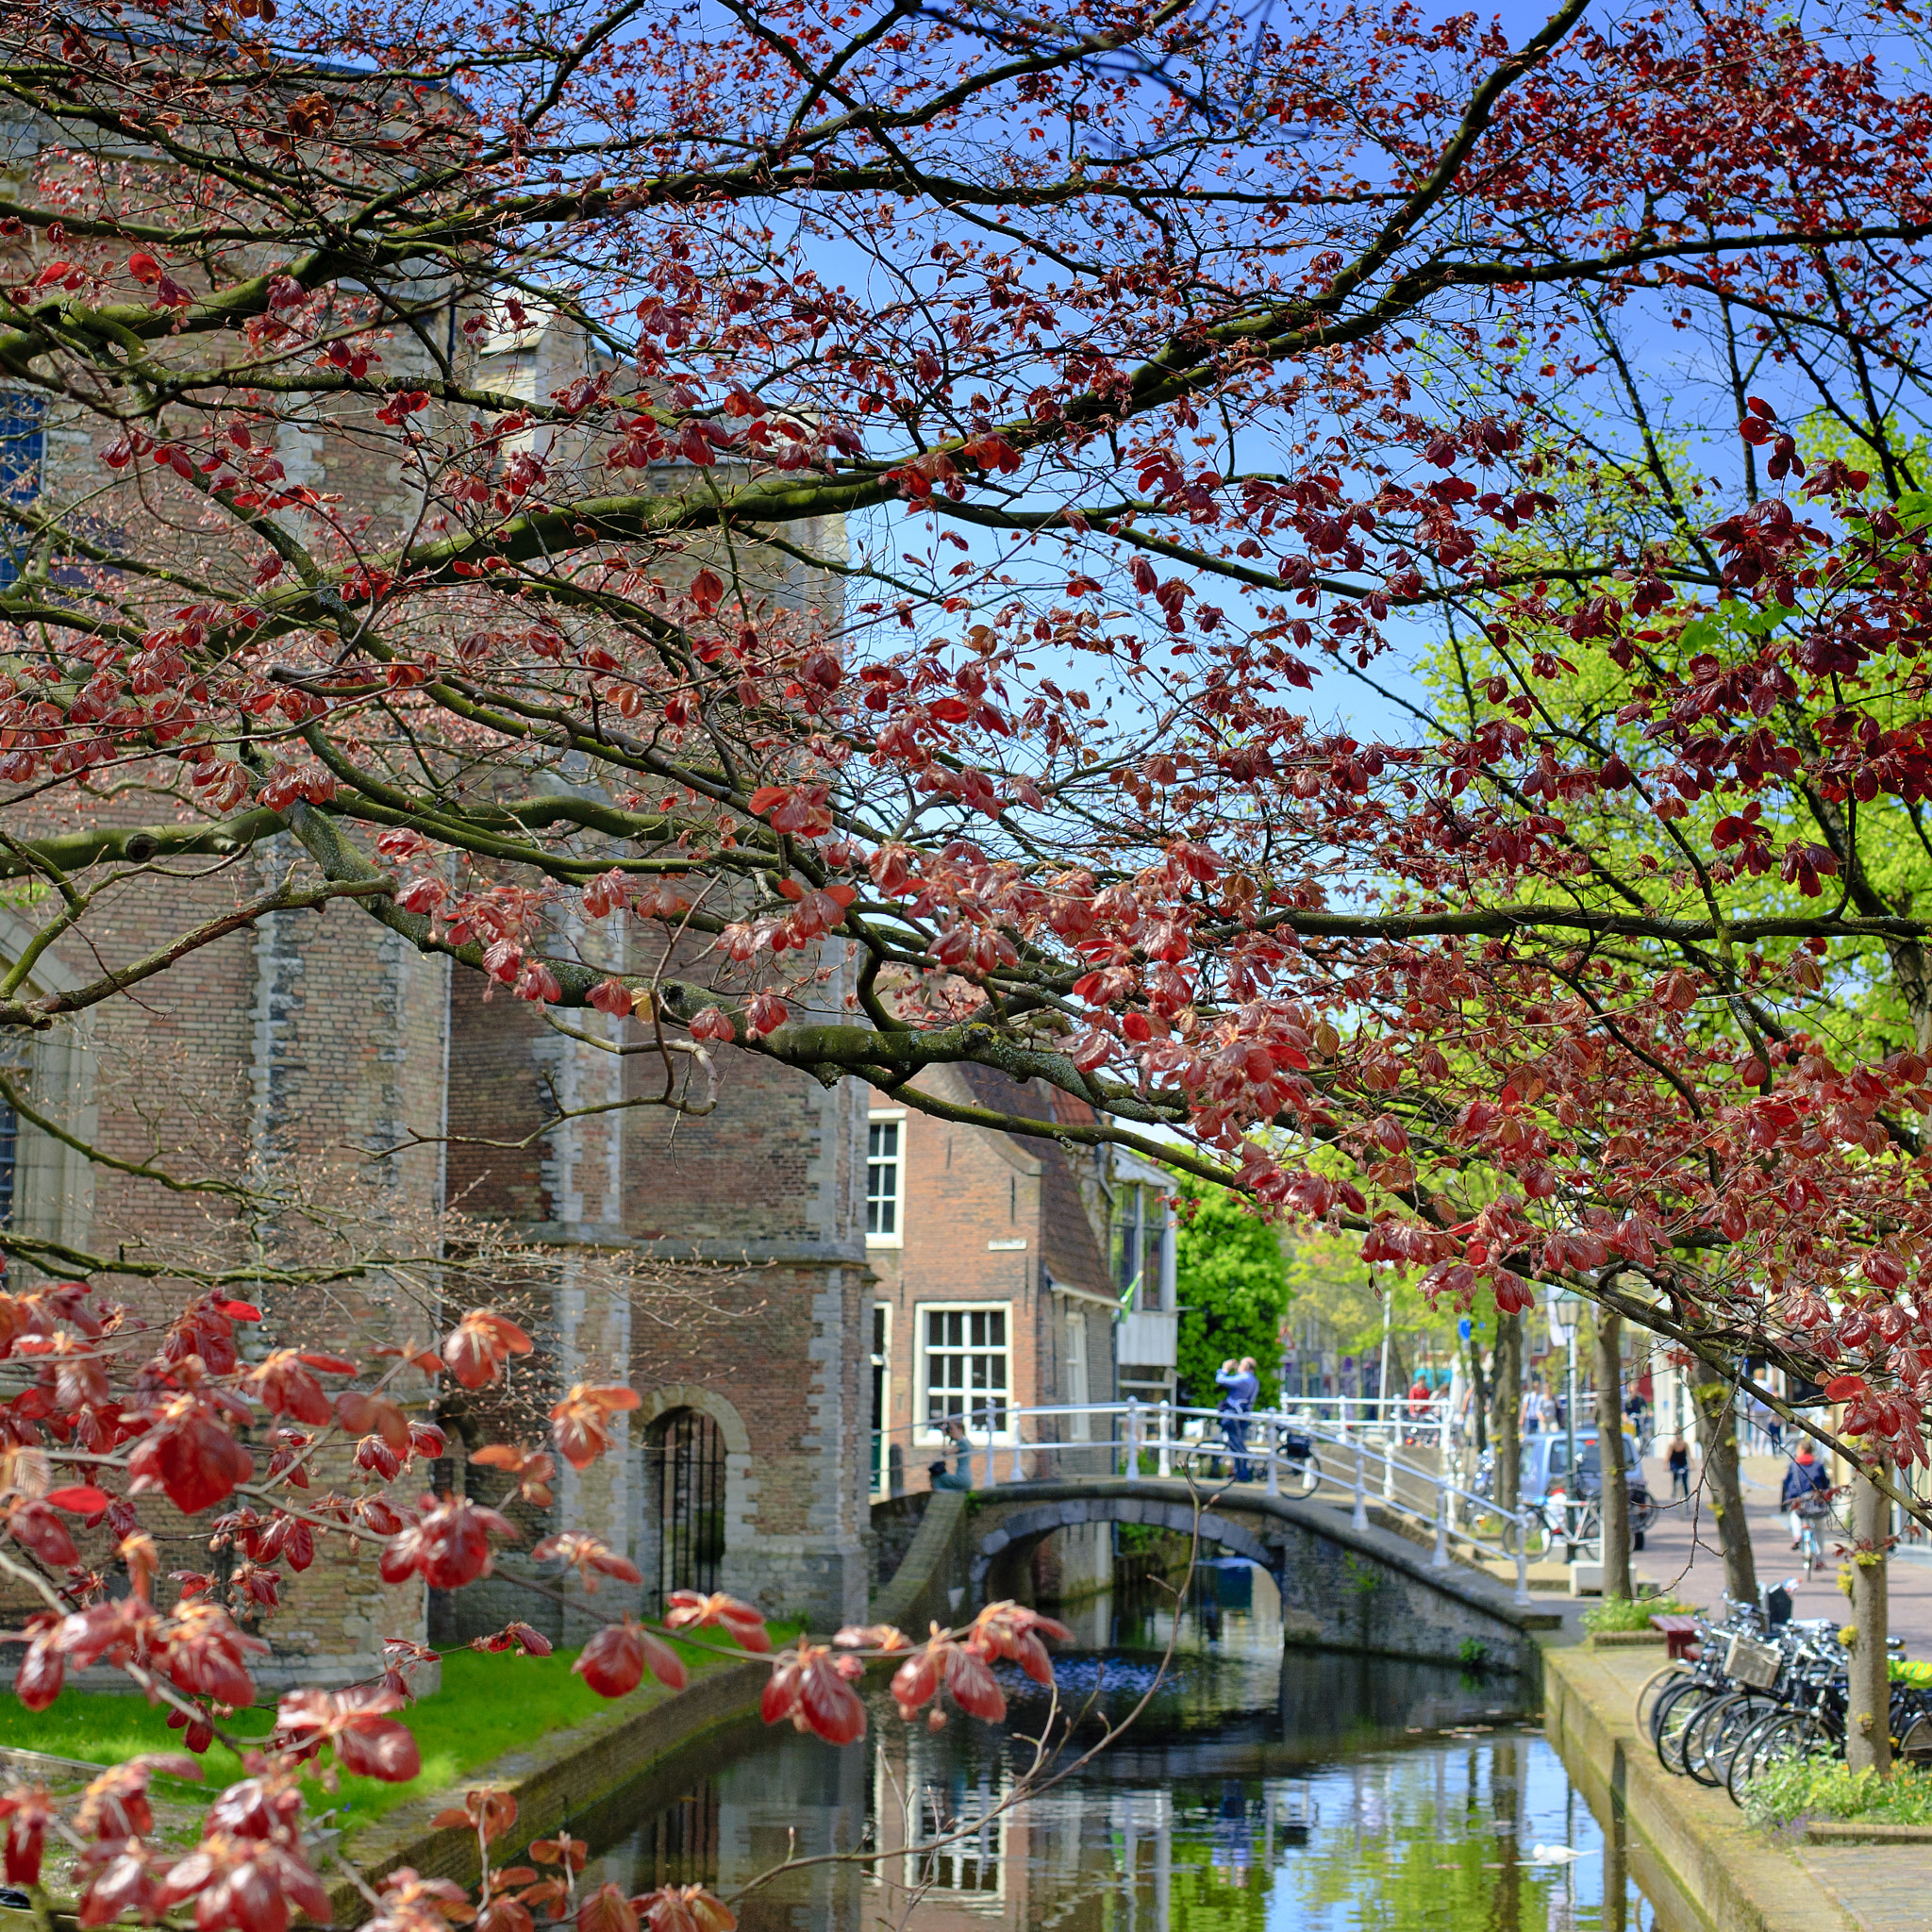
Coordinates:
<point>1002,1552</point>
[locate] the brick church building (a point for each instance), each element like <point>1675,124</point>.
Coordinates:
<point>323,1038</point>
<point>320,1046</point>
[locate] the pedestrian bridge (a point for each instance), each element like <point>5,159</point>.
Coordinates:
<point>1344,1584</point>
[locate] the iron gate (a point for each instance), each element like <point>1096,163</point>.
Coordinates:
<point>685,1457</point>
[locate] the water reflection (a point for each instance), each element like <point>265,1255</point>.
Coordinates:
<point>1256,1793</point>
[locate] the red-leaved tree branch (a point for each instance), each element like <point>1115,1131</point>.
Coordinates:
<point>815,538</point>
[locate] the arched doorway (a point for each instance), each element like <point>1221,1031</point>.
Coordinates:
<point>684,1472</point>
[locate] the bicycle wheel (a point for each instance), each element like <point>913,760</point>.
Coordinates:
<point>1708,1753</point>
<point>1808,1537</point>
<point>1674,1715</point>
<point>1738,1772</point>
<point>1785,1736</point>
<point>1643,1514</point>
<point>1671,1694</point>
<point>1652,1689</point>
<point>1689,1752</point>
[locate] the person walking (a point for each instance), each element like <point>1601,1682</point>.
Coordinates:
<point>1678,1455</point>
<point>1803,1480</point>
<point>1240,1383</point>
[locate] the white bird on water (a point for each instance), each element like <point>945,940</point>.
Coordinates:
<point>1553,1855</point>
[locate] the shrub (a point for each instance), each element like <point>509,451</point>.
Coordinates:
<point>1629,1613</point>
<point>1824,1787</point>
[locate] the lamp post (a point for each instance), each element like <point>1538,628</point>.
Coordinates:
<point>1562,1333</point>
<point>1382,1367</point>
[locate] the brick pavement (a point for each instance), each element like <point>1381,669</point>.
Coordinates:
<point>1879,1888</point>
<point>1681,1554</point>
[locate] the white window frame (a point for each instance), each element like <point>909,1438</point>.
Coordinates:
<point>894,1118</point>
<point>877,1357</point>
<point>922,1314</point>
<point>1075,1394</point>
<point>984,1849</point>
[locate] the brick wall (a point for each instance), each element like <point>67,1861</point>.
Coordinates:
<point>305,1047</point>
<point>747,1301</point>
<point>318,1040</point>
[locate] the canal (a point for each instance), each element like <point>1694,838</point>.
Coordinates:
<point>1256,1793</point>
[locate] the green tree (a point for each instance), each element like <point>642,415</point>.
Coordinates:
<point>1233,1291</point>
<point>1328,1280</point>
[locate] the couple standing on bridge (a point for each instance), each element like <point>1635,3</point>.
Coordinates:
<point>1239,1383</point>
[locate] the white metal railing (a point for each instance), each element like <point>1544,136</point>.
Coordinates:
<point>1408,1465</point>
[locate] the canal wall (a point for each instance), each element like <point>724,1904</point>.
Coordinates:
<point>559,1781</point>
<point>573,1777</point>
<point>1689,1848</point>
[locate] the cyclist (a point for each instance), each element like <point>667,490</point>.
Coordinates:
<point>1803,1481</point>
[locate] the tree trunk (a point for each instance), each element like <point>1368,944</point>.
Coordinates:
<point>1609,1435</point>
<point>1478,1394</point>
<point>1506,1409</point>
<point>1868,1721</point>
<point>1718,1430</point>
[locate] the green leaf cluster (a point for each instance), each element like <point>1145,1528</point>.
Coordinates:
<point>1615,1613</point>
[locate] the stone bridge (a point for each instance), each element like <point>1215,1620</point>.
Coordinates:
<point>1369,1591</point>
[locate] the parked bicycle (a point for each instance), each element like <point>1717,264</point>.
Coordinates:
<point>1754,1695</point>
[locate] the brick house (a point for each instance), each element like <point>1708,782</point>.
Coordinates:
<point>1015,1275</point>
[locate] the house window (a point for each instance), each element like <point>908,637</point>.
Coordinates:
<point>885,1182</point>
<point>1141,1233</point>
<point>1075,1393</point>
<point>965,1365</point>
<point>23,449</point>
<point>970,1832</point>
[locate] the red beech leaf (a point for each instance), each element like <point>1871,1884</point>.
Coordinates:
<point>82,1500</point>
<point>608,1909</point>
<point>613,1663</point>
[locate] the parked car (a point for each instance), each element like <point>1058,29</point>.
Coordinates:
<point>1546,1469</point>
<point>1546,1462</point>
